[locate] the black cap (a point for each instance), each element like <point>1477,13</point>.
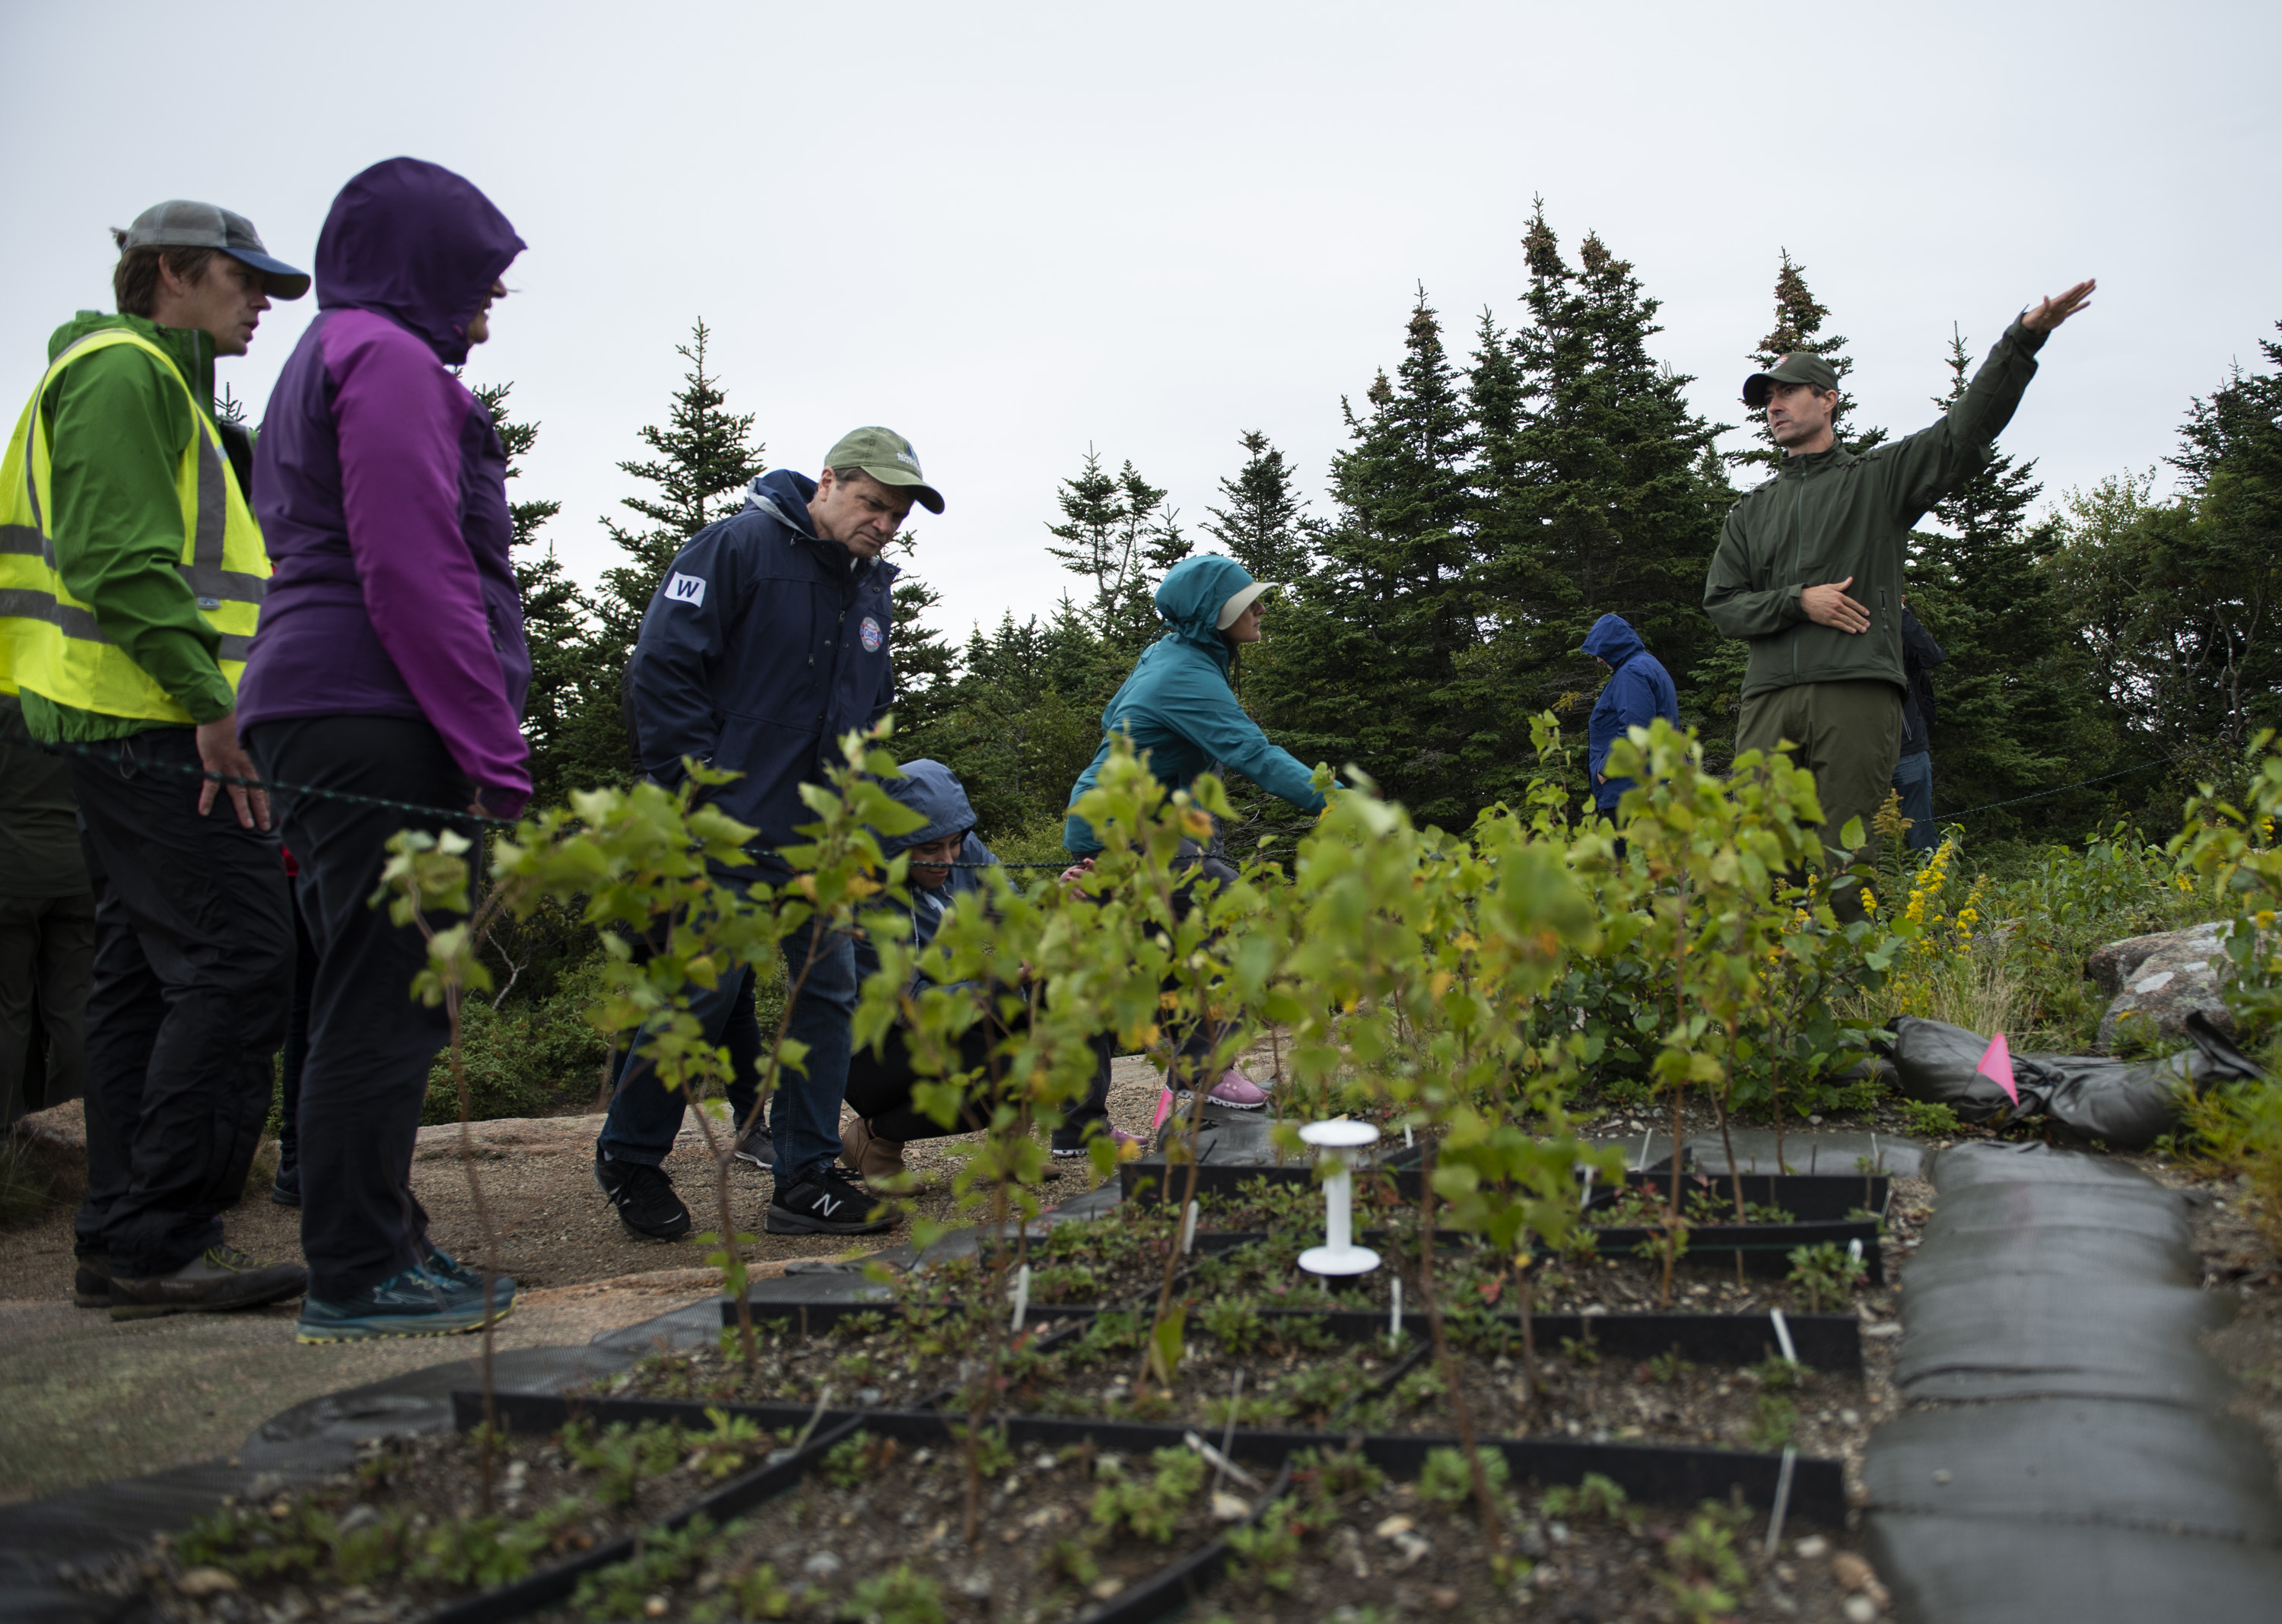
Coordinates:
<point>1799,367</point>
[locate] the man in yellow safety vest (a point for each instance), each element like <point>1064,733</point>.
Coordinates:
<point>131,576</point>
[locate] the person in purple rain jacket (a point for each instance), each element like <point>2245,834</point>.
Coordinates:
<point>389,663</point>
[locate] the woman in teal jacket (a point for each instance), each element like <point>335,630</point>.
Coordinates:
<point>1181,713</point>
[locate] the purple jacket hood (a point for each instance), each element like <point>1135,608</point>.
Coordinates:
<point>417,244</point>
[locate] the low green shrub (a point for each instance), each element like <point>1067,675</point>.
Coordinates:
<point>540,1057</point>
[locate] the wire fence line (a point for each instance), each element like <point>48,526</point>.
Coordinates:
<point>462,815</point>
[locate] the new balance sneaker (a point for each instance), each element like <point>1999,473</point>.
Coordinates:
<point>1234,1091</point>
<point>219,1278</point>
<point>452,1271</point>
<point>1068,1142</point>
<point>413,1304</point>
<point>757,1147</point>
<point>644,1196</point>
<point>91,1280</point>
<point>828,1201</point>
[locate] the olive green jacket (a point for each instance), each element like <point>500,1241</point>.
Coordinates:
<point>1831,515</point>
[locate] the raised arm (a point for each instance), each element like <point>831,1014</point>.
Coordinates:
<point>1929,464</point>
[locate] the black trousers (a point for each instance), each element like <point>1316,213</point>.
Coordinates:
<point>371,1043</point>
<point>297,1036</point>
<point>47,953</point>
<point>880,1087</point>
<point>193,963</point>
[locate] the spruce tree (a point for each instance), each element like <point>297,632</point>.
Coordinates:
<point>1799,317</point>
<point>1596,493</point>
<point>1116,535</point>
<point>1370,662</point>
<point>926,667</point>
<point>1264,525</point>
<point>567,750</point>
<point>705,459</point>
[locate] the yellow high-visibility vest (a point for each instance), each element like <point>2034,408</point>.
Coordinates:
<point>50,642</point>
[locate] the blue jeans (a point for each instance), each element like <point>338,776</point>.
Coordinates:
<point>804,1115</point>
<point>1913,777</point>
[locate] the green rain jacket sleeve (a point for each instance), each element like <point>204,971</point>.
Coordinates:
<point>117,428</point>
<point>1920,471</point>
<point>1735,607</point>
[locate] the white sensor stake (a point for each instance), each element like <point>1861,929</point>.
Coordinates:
<point>1783,1335</point>
<point>1338,1254</point>
<point>1394,1314</point>
<point>1021,1294</point>
<point>1189,1229</point>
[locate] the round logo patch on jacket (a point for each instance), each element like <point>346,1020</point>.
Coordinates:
<point>871,634</point>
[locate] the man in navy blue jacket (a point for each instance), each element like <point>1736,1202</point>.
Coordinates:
<point>1638,691</point>
<point>767,641</point>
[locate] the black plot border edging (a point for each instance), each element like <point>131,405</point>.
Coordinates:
<point>526,1412</point>
<point>1171,1588</point>
<point>1764,1248</point>
<point>1674,1476</point>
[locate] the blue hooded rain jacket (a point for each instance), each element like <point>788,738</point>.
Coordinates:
<point>933,791</point>
<point>1178,707</point>
<point>763,646</point>
<point>1638,692</point>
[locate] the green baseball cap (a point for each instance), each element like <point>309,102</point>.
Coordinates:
<point>887,457</point>
<point>1799,367</point>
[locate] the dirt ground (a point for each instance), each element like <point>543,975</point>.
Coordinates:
<point>555,1228</point>
<point>83,1400</point>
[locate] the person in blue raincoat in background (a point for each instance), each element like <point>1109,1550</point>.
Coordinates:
<point>1182,713</point>
<point>1638,691</point>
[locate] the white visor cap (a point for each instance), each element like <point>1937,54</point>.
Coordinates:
<point>1233,610</point>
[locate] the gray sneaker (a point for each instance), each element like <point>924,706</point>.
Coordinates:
<point>757,1147</point>
<point>217,1279</point>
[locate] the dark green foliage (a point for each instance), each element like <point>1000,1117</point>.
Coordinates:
<point>530,1057</point>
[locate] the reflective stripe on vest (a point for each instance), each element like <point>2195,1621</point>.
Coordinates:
<point>50,641</point>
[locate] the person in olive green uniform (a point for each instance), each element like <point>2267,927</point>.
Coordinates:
<point>1809,566</point>
<point>131,578</point>
<point>47,924</point>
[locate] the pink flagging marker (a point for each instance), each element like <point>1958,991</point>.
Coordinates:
<point>1164,1109</point>
<point>1997,1066</point>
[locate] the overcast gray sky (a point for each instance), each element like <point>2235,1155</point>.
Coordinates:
<point>1011,231</point>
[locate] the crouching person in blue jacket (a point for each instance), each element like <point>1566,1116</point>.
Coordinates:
<point>1639,690</point>
<point>767,642</point>
<point>946,858</point>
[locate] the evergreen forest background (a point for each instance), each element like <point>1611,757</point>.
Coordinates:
<point>1499,492</point>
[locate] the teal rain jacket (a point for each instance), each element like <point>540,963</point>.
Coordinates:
<point>1177,705</point>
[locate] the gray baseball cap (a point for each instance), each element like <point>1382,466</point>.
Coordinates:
<point>180,223</point>
<point>1799,367</point>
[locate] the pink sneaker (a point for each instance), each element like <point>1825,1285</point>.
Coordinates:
<point>1238,1092</point>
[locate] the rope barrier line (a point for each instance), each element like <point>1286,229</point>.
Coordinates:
<point>462,815</point>
<point>457,814</point>
<point>278,786</point>
<point>2058,789</point>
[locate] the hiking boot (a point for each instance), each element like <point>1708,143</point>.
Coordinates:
<point>219,1278</point>
<point>285,1189</point>
<point>1068,1142</point>
<point>91,1280</point>
<point>757,1147</point>
<point>1234,1091</point>
<point>452,1271</point>
<point>413,1304</point>
<point>826,1202</point>
<point>644,1196</point>
<point>876,1160</point>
